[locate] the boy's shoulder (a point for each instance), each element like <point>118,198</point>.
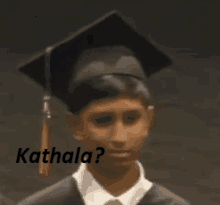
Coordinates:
<point>159,195</point>
<point>6,201</point>
<point>63,192</point>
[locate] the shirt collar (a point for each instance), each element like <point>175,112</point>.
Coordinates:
<point>94,194</point>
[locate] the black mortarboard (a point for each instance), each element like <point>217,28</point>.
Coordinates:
<point>111,29</point>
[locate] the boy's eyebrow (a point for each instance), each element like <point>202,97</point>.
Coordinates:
<point>113,111</point>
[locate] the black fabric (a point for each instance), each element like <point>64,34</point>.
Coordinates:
<point>159,195</point>
<point>113,202</point>
<point>6,201</point>
<point>110,30</point>
<point>66,192</point>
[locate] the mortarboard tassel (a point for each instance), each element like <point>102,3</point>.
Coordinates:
<point>45,169</point>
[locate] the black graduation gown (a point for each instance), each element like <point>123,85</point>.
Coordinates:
<point>6,201</point>
<point>65,192</point>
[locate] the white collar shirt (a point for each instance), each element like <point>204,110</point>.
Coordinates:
<point>94,194</point>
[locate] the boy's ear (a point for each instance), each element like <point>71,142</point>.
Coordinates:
<point>75,125</point>
<point>158,106</point>
<point>152,118</point>
<point>80,137</point>
<point>73,121</point>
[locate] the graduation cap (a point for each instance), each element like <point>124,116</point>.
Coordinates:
<point>54,68</point>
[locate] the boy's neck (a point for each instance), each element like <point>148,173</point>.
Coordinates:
<point>116,179</point>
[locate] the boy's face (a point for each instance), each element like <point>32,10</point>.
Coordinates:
<point>119,125</point>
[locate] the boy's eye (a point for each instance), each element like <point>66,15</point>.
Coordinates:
<point>131,118</point>
<point>103,120</point>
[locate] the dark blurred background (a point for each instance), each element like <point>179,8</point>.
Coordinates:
<point>183,153</point>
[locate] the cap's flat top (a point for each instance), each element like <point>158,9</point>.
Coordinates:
<point>109,30</point>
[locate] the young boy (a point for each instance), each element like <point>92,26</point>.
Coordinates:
<point>101,74</point>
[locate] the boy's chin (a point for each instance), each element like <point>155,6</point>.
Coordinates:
<point>113,162</point>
